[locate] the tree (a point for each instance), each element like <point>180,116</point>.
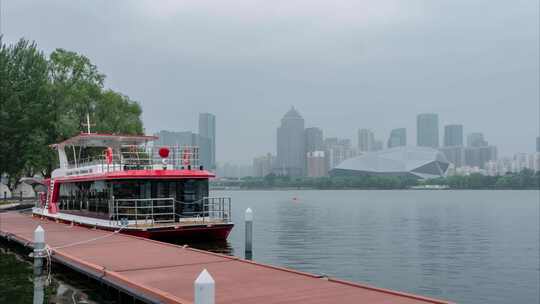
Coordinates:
<point>23,96</point>
<point>46,100</point>
<point>117,113</point>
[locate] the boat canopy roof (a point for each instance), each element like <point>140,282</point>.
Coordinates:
<point>104,140</point>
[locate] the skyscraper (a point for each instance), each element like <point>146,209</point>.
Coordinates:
<point>337,150</point>
<point>453,135</point>
<point>314,139</point>
<point>476,140</point>
<point>538,144</point>
<point>455,155</point>
<point>207,133</point>
<point>316,164</point>
<point>291,147</point>
<point>479,156</point>
<point>427,130</point>
<point>171,138</point>
<point>398,138</point>
<point>262,165</point>
<point>377,145</point>
<point>366,140</point>
<point>178,139</point>
<point>478,151</point>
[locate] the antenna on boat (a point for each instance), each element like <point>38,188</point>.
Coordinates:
<point>88,124</point>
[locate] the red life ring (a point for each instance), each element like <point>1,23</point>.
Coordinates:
<point>164,152</point>
<point>185,156</point>
<point>109,155</point>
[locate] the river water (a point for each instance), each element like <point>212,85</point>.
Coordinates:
<point>464,246</point>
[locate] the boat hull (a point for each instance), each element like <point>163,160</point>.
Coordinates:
<point>199,232</point>
<point>191,232</point>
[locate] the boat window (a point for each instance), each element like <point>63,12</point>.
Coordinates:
<point>188,190</point>
<point>188,193</point>
<point>85,198</point>
<point>192,190</point>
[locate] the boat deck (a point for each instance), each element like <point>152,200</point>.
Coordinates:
<point>162,272</point>
<point>140,224</point>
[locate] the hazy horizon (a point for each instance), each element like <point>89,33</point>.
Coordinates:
<point>343,65</point>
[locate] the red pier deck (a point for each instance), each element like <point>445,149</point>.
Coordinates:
<point>161,272</point>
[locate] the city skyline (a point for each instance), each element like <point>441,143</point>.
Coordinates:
<point>454,142</point>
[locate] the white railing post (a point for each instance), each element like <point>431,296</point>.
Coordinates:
<point>39,248</point>
<point>248,217</point>
<point>136,215</point>
<point>205,288</point>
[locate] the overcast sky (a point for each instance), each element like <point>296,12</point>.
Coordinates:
<point>343,64</point>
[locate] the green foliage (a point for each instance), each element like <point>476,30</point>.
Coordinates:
<point>526,179</point>
<point>523,180</point>
<point>327,182</point>
<point>116,113</point>
<point>46,100</point>
<point>23,95</point>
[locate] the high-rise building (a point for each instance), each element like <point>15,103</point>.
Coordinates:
<point>476,140</point>
<point>478,151</point>
<point>262,165</point>
<point>337,150</point>
<point>427,130</point>
<point>179,139</point>
<point>316,164</point>
<point>377,145</point>
<point>366,140</point>
<point>314,139</point>
<point>455,155</point>
<point>170,138</point>
<point>479,156</point>
<point>291,148</point>
<point>207,133</point>
<point>229,170</point>
<point>453,135</point>
<point>398,138</point>
<point>538,144</point>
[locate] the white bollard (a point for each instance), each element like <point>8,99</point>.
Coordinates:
<point>39,290</point>
<point>39,247</point>
<point>249,230</point>
<point>205,288</point>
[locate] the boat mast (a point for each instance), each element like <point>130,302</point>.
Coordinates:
<point>87,124</point>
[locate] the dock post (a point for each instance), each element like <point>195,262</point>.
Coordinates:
<point>39,248</point>
<point>39,286</point>
<point>39,279</point>
<point>205,288</point>
<point>248,217</point>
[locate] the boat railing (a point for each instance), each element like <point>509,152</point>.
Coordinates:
<point>205,210</point>
<point>138,158</point>
<point>148,212</point>
<point>144,212</point>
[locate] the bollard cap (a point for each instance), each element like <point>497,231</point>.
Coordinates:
<point>204,278</point>
<point>248,215</point>
<point>39,235</point>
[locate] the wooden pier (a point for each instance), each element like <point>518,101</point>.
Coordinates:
<point>157,272</point>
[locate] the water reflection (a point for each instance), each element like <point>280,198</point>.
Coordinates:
<point>39,288</point>
<point>18,284</point>
<point>216,246</point>
<point>66,293</point>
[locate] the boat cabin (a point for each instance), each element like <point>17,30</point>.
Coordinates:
<point>127,180</point>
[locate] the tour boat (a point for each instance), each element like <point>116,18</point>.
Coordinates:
<point>126,183</point>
